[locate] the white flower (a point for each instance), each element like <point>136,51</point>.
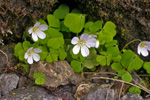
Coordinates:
<point>86,41</point>
<point>36,31</point>
<point>32,54</point>
<point>143,48</point>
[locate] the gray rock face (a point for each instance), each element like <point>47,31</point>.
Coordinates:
<point>101,94</point>
<point>57,73</point>
<point>130,96</point>
<point>29,93</point>
<point>8,82</point>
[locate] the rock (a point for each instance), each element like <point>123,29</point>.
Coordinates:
<point>9,51</point>
<point>130,96</point>
<point>101,94</point>
<point>30,93</point>
<point>8,82</point>
<point>22,81</point>
<point>57,73</point>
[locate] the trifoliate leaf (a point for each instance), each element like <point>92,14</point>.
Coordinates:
<point>75,22</point>
<point>61,12</point>
<point>17,48</point>
<point>62,54</point>
<point>127,56</point>
<point>101,60</point>
<point>90,61</point>
<point>55,43</point>
<point>26,45</point>
<point>76,65</point>
<point>53,21</point>
<point>96,26</point>
<point>63,27</point>
<point>147,67</point>
<point>117,58</point>
<point>116,66</point>
<point>134,90</point>
<point>39,78</point>
<point>54,33</point>
<point>109,58</point>
<point>88,24</point>
<point>127,77</point>
<point>114,51</point>
<point>135,64</point>
<point>21,55</point>
<point>77,11</point>
<point>110,44</point>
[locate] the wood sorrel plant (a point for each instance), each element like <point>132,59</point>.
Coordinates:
<point>85,45</point>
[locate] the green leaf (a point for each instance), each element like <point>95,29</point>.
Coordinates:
<point>52,57</point>
<point>76,65</point>
<point>121,72</point>
<point>135,64</point>
<point>117,58</point>
<point>17,48</point>
<point>109,58</point>
<point>61,12</point>
<point>112,43</point>
<point>21,55</point>
<point>26,45</point>
<point>134,90</point>
<point>63,27</point>
<point>54,33</point>
<point>75,22</point>
<point>101,60</point>
<point>127,77</point>
<point>90,61</point>
<point>96,26</point>
<point>43,55</point>
<point>39,78</point>
<point>88,24</point>
<point>147,67</point>
<point>127,56</point>
<point>113,50</point>
<point>62,54</point>
<point>76,11</point>
<point>110,27</point>
<point>53,21</point>
<point>116,66</point>
<point>55,43</point>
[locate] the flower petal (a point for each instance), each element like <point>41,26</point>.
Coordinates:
<point>144,52</point>
<point>84,37</point>
<point>30,49</point>
<point>43,27</point>
<point>97,44</point>
<point>139,49</point>
<point>30,30</point>
<point>75,40</point>
<point>91,42</point>
<point>37,24</point>
<point>26,55</point>
<point>92,36</point>
<point>76,49</point>
<point>148,45</point>
<point>85,51</point>
<point>37,50</point>
<point>30,60</point>
<point>41,34</point>
<point>34,36</point>
<point>36,57</point>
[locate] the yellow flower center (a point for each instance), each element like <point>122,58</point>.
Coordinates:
<point>81,43</point>
<point>30,52</point>
<point>35,29</point>
<point>143,44</point>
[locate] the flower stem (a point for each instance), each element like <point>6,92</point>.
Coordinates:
<point>130,43</point>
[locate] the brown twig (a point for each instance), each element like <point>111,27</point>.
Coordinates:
<point>5,55</point>
<point>138,86</point>
<point>121,90</point>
